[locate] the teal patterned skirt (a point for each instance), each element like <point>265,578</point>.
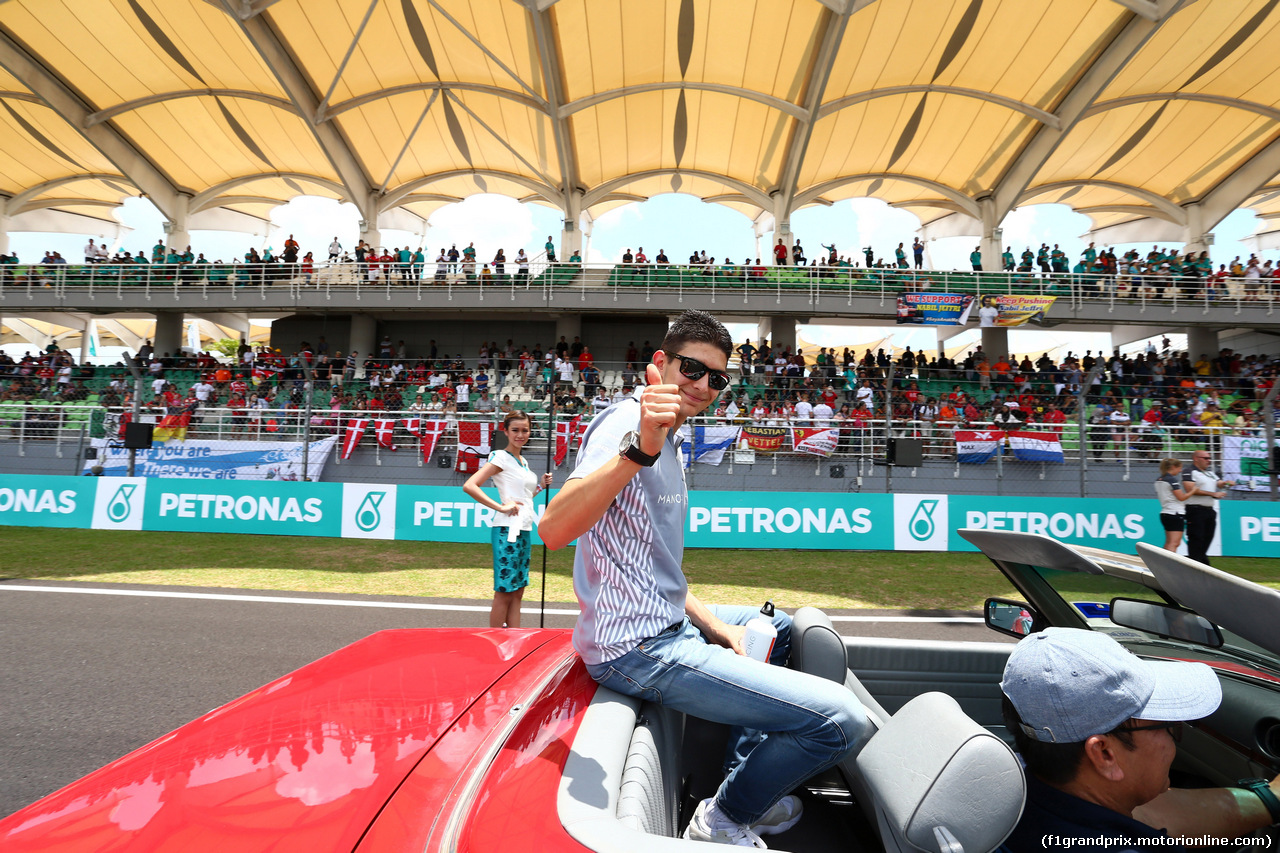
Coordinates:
<point>510,559</point>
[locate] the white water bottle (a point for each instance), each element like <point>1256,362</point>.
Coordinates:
<point>761,635</point>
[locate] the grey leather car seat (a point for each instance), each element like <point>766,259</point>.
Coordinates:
<point>939,782</point>
<point>817,649</point>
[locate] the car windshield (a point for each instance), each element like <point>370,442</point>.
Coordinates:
<point>1091,596</point>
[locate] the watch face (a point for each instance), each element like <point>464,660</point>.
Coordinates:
<point>628,442</point>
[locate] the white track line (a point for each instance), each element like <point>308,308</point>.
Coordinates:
<point>394,605</point>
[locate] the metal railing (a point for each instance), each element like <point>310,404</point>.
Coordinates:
<point>1129,450</point>
<point>563,281</point>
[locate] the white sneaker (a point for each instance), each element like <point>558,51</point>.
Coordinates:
<point>785,814</point>
<point>708,824</point>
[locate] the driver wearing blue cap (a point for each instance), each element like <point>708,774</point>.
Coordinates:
<point>1098,729</point>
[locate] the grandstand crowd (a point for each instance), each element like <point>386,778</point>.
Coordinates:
<point>1160,272</point>
<point>1139,395</point>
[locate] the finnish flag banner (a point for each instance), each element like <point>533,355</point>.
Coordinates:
<point>707,444</point>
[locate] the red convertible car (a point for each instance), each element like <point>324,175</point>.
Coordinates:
<point>488,741</point>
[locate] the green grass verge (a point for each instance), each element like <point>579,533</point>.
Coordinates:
<point>829,579</point>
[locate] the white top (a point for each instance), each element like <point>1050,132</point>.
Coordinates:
<point>821,414</point>
<point>515,482</point>
<point>1205,481</point>
<point>804,411</point>
<point>987,316</point>
<point>202,391</point>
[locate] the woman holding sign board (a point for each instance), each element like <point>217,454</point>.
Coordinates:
<point>512,522</point>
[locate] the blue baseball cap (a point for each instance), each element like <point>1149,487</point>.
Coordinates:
<point>1069,684</point>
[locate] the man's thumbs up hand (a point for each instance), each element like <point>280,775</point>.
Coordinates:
<point>659,408</point>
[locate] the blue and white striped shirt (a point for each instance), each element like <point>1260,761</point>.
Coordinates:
<point>626,571</point>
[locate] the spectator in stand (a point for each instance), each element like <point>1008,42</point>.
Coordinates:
<point>780,254</point>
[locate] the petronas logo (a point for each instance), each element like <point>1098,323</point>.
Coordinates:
<point>118,509</point>
<point>921,525</point>
<point>368,516</point>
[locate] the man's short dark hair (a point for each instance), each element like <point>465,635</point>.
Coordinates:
<point>1054,763</point>
<point>697,327</point>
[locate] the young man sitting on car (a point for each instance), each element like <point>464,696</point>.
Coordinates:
<point>642,633</point>
<point>1098,729</point>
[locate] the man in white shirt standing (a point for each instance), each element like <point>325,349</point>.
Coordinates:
<point>822,414</point>
<point>90,252</point>
<point>202,390</point>
<point>1202,516</point>
<point>804,410</point>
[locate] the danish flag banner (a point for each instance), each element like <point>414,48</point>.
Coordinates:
<point>355,432</point>
<point>1036,446</point>
<point>976,447</point>
<point>473,441</point>
<point>385,430</point>
<point>413,426</point>
<point>430,434</point>
<point>564,430</point>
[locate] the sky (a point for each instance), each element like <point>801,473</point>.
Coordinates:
<point>678,223</point>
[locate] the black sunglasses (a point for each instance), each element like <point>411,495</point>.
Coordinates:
<point>691,368</point>
<point>1174,729</point>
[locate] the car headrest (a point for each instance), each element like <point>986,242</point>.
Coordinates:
<point>816,648</point>
<point>940,781</point>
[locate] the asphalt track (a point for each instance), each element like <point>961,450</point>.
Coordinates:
<point>90,674</point>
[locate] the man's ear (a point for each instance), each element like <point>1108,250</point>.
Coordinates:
<point>1100,754</point>
<point>660,358</point>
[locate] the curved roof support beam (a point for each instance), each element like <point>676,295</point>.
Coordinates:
<point>1219,100</point>
<point>553,81</point>
<point>1135,209</point>
<point>202,200</point>
<point>357,184</point>
<point>749,94</point>
<point>621,197</point>
<point>427,197</point>
<point>830,32</point>
<point>244,9</point>
<point>1175,213</point>
<point>735,198</point>
<point>128,106</point>
<point>596,195</point>
<point>227,200</point>
<point>394,198</point>
<point>967,205</point>
<point>1130,39</point>
<point>49,203</point>
<point>341,107</point>
<point>1043,116</point>
<point>21,96</point>
<point>54,92</point>
<point>1148,9</point>
<point>16,203</point>
<point>1243,184</point>
<point>936,203</point>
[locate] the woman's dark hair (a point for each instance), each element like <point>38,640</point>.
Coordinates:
<point>1054,763</point>
<point>693,326</point>
<point>516,415</point>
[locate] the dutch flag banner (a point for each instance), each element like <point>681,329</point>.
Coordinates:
<point>976,447</point>
<point>1036,446</point>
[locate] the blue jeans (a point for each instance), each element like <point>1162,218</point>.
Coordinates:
<point>788,725</point>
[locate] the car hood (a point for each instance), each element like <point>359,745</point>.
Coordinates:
<point>304,763</point>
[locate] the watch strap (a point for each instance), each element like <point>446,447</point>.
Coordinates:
<point>1263,789</point>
